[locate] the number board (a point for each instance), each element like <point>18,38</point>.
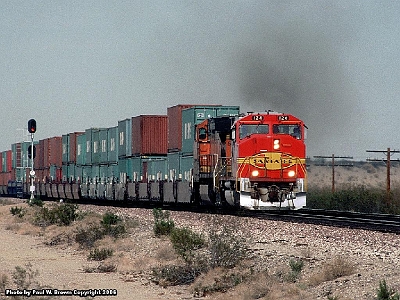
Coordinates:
<point>283,118</point>
<point>257,118</point>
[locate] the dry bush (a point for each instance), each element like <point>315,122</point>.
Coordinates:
<point>3,282</point>
<point>220,280</point>
<point>338,267</point>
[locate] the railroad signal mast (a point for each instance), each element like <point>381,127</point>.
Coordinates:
<point>32,130</point>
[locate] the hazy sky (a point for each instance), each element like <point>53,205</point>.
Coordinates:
<point>73,65</point>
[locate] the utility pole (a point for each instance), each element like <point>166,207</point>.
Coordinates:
<point>334,164</point>
<point>388,153</point>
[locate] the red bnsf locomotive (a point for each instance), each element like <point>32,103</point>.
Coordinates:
<point>255,161</point>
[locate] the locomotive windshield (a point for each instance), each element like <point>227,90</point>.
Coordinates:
<point>247,129</point>
<point>292,129</point>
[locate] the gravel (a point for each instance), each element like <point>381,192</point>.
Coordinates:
<point>374,255</point>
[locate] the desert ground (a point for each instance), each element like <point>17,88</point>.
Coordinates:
<point>38,258</point>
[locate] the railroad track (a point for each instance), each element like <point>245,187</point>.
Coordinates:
<point>376,222</point>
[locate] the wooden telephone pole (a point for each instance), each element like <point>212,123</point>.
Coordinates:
<point>388,153</point>
<point>337,165</point>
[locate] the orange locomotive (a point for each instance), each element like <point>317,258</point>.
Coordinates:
<point>255,161</point>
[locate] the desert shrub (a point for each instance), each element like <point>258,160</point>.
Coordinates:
<point>25,277</point>
<point>163,225</point>
<point>386,293</point>
<point>222,283</point>
<point>110,225</point>
<point>3,281</point>
<point>66,213</point>
<point>35,202</point>
<point>296,266</point>
<point>185,242</point>
<point>110,218</point>
<point>175,275</point>
<point>100,254</point>
<point>113,225</point>
<point>338,267</point>
<point>225,248</point>
<point>17,211</point>
<point>86,237</point>
<point>63,214</point>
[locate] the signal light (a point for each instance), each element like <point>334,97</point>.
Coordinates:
<point>32,126</point>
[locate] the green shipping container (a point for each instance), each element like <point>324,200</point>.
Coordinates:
<point>186,167</point>
<point>145,168</point>
<point>197,114</point>
<point>65,149</point>
<point>124,169</point>
<point>112,145</point>
<point>81,150</point>
<point>174,165</point>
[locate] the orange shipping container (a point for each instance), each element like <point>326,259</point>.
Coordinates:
<point>150,135</point>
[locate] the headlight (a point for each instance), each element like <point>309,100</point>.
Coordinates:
<point>254,173</point>
<point>291,173</point>
<point>276,144</point>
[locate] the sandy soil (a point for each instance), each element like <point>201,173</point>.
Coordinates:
<point>63,268</point>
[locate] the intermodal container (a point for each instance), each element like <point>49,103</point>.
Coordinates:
<point>125,169</point>
<point>20,154</point>
<point>52,151</point>
<point>103,146</point>
<point>186,167</point>
<point>174,114</point>
<point>174,165</point>
<point>150,135</point>
<point>89,145</point>
<point>69,147</point>
<point>16,155</point>
<point>113,172</point>
<point>3,161</point>
<point>103,173</point>
<point>146,168</point>
<point>112,145</point>
<point>81,149</point>
<point>197,114</point>
<point>86,174</point>
<point>8,161</point>
<point>96,149</point>
<point>68,172</point>
<point>125,138</point>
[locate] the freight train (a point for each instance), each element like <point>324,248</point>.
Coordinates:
<point>194,155</point>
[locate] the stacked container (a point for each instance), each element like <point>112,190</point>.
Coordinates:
<point>69,155</point>
<point>174,114</point>
<point>197,114</point>
<point>149,135</point>
<point>125,138</point>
